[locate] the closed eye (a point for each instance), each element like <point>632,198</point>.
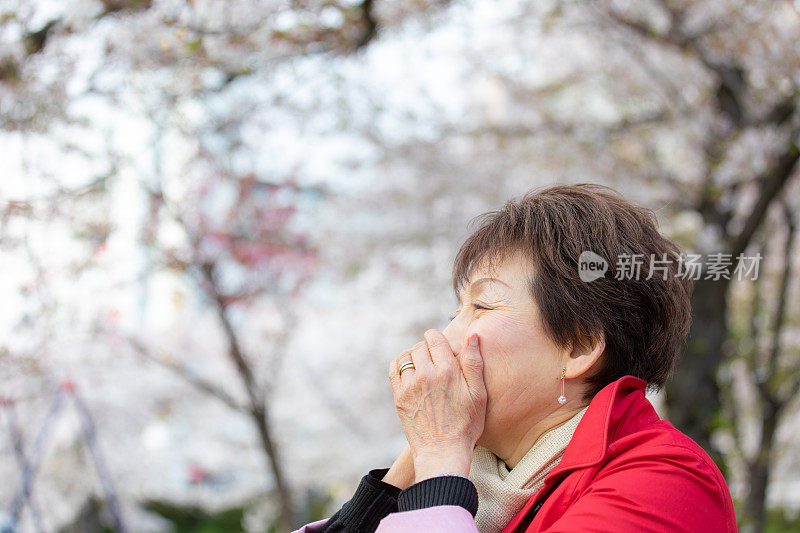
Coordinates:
<point>477,306</point>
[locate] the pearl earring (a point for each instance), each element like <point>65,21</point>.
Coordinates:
<point>562,399</point>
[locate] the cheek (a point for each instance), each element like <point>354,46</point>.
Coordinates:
<point>517,354</point>
<point>518,369</point>
<point>506,375</point>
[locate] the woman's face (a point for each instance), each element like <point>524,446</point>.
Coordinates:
<point>521,364</point>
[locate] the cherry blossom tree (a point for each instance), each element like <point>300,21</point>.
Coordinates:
<point>219,120</point>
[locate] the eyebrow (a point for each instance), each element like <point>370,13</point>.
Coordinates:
<point>481,281</point>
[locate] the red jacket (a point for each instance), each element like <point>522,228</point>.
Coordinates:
<point>624,470</point>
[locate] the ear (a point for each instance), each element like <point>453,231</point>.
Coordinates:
<point>584,356</point>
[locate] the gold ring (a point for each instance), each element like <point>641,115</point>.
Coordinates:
<point>405,366</point>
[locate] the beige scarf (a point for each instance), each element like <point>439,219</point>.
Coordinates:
<point>503,492</point>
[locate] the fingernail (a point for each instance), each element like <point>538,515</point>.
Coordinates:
<point>473,339</point>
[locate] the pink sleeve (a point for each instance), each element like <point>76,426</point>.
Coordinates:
<point>438,519</point>
<point>312,527</point>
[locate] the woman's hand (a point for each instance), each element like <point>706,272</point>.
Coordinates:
<point>401,474</point>
<point>441,403</point>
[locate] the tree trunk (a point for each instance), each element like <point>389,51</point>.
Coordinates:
<point>756,504</point>
<point>288,520</point>
<point>692,395</point>
<point>257,402</point>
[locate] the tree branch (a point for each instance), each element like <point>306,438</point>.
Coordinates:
<point>186,374</point>
<point>780,314</point>
<point>234,348</point>
<point>370,25</point>
<point>794,390</point>
<point>731,77</point>
<point>731,412</point>
<point>780,113</point>
<point>560,128</point>
<point>786,275</point>
<point>771,182</point>
<point>756,329</point>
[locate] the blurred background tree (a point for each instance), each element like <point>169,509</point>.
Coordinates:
<point>203,199</point>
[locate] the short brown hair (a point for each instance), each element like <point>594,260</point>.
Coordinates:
<point>645,322</point>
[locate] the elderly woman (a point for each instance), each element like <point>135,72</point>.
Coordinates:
<point>528,412</point>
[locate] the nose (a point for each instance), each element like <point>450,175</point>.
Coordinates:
<point>454,337</point>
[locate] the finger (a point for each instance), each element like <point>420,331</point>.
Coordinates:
<point>439,348</point>
<point>421,357</point>
<point>394,379</point>
<point>402,359</point>
<point>471,362</point>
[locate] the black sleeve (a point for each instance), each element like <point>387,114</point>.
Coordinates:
<point>440,490</point>
<point>373,500</point>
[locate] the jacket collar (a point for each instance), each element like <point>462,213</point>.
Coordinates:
<point>620,408</point>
